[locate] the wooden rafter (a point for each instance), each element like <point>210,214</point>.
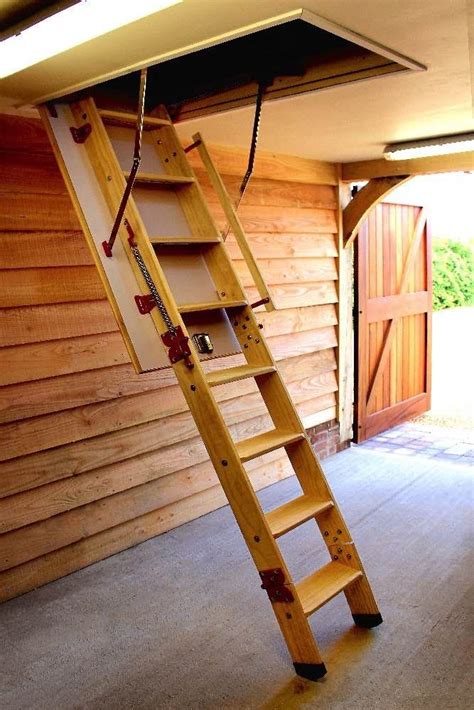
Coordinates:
<point>371,194</point>
<point>368,169</point>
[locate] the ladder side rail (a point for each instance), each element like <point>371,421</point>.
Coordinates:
<point>279,403</point>
<point>303,459</point>
<point>234,222</point>
<point>202,403</point>
<point>225,454</point>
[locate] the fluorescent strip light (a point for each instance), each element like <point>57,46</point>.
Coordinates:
<point>424,148</point>
<point>71,27</point>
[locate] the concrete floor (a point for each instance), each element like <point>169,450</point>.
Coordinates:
<point>179,621</point>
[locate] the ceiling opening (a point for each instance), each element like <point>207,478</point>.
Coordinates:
<point>294,56</point>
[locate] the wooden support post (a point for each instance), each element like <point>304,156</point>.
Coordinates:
<point>345,327</point>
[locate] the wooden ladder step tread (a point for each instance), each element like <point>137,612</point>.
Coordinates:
<point>264,443</point>
<point>161,179</point>
<point>240,372</point>
<point>296,512</point>
<point>124,117</point>
<point>321,586</point>
<point>209,306</point>
<point>184,240</point>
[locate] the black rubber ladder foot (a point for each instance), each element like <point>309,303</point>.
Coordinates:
<point>367,621</point>
<point>311,671</point>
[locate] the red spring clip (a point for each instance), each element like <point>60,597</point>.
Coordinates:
<point>177,343</point>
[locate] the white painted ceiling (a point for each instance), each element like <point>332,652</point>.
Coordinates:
<point>346,123</point>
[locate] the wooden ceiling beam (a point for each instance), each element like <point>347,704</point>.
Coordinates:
<point>367,169</point>
<point>370,195</point>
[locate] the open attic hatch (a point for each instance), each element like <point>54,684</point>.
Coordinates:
<point>169,266</point>
<point>290,54</point>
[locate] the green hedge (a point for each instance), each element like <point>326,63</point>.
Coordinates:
<point>453,274</point>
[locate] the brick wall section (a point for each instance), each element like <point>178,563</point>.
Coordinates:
<point>326,439</point>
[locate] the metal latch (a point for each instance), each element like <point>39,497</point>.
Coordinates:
<point>203,343</point>
<point>273,582</point>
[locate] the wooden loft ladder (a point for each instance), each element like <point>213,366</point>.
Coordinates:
<point>93,160</point>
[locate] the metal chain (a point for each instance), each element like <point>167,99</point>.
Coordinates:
<point>156,296</point>
<point>262,85</point>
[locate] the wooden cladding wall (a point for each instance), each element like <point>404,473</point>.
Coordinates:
<point>94,458</point>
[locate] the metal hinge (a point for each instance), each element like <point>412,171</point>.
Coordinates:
<point>273,582</point>
<point>81,134</point>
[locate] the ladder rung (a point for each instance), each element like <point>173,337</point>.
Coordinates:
<point>184,240</point>
<point>210,306</point>
<point>240,372</point>
<point>121,117</point>
<point>295,512</point>
<point>263,443</point>
<point>161,179</point>
<point>321,586</point>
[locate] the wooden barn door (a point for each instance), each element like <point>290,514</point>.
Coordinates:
<point>393,318</point>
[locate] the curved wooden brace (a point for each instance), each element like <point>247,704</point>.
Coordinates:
<point>371,194</point>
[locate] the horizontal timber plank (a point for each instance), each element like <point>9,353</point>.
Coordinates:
<point>22,250</point>
<point>281,271</point>
<point>283,220</point>
<point>28,211</point>
<point>42,467</point>
<point>33,399</point>
<point>31,287</point>
<point>278,193</point>
<point>91,549</point>
<point>299,295</point>
<point>30,172</point>
<point>310,341</point>
<point>23,437</point>
<point>51,430</point>
<point>295,320</point>
<point>282,245</point>
<point>313,363</point>
<point>406,304</point>
<point>55,321</point>
<point>366,169</point>
<point>314,419</point>
<point>317,411</point>
<point>46,501</point>
<point>21,545</point>
<point>60,357</point>
<point>36,361</point>
<point>233,161</point>
<point>27,543</point>
<point>23,134</point>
